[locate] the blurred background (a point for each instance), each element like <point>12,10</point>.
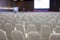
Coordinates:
<point>31,5</point>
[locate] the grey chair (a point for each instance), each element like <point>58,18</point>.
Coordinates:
<point>8,28</point>
<point>20,27</point>
<point>55,36</point>
<point>57,29</point>
<point>34,36</point>
<point>45,32</point>
<point>3,35</point>
<point>31,27</point>
<point>17,35</point>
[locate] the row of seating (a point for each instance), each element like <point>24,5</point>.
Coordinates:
<point>18,35</point>
<point>42,23</point>
<point>50,19</point>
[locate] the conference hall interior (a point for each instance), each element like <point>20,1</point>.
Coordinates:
<point>29,19</point>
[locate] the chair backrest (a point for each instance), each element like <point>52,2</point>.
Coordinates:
<point>3,35</point>
<point>34,36</point>
<point>19,18</point>
<point>57,29</point>
<point>45,32</point>
<point>8,28</point>
<point>20,27</point>
<point>55,36</point>
<point>31,27</point>
<point>17,35</point>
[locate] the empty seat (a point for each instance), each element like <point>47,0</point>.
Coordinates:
<point>17,35</point>
<point>34,36</point>
<point>27,23</point>
<point>2,22</point>
<point>2,26</point>
<point>20,27</point>
<point>49,25</point>
<point>19,19</point>
<point>31,27</point>
<point>3,35</point>
<point>38,26</point>
<point>55,36</point>
<point>8,28</point>
<point>45,32</point>
<point>57,29</point>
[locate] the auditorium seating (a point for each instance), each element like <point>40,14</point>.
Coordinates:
<point>45,32</point>
<point>20,27</point>
<point>17,35</point>
<point>3,35</point>
<point>8,28</point>
<point>34,36</point>
<point>54,36</point>
<point>57,29</point>
<point>30,25</point>
<point>19,18</point>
